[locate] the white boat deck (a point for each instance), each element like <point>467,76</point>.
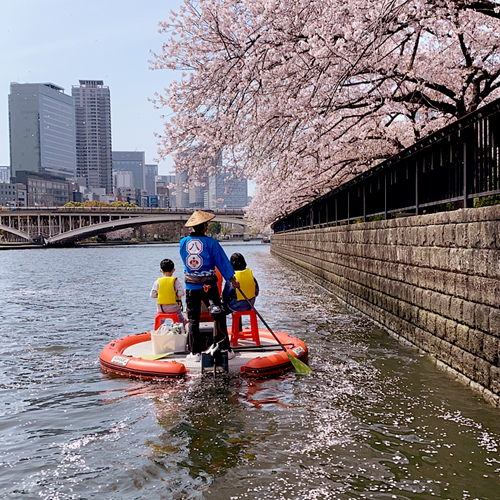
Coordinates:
<point>242,357</point>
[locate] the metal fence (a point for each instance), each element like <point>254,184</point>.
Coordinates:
<point>456,164</point>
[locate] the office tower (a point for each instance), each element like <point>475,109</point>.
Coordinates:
<point>181,197</point>
<point>4,174</point>
<point>151,175</point>
<point>197,195</point>
<point>162,185</point>
<point>131,161</point>
<point>42,129</point>
<point>94,162</point>
<point>123,178</point>
<point>224,192</point>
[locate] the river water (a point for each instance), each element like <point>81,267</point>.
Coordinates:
<point>376,420</point>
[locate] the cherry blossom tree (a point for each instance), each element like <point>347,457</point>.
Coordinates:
<point>302,95</point>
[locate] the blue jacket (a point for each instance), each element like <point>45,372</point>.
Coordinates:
<point>201,255</point>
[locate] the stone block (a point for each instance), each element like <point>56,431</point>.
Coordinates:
<point>441,281</point>
<point>495,379</point>
<point>443,218</point>
<point>431,234</point>
<point>462,340</point>
<point>457,361</point>
<point>489,233</point>
<point>456,309</point>
<point>469,365</point>
<point>426,278</point>
<point>483,262</point>
<point>494,264</point>
<point>490,348</point>
<point>426,299</point>
<point>449,235</point>
<point>439,236</point>
<point>469,310</point>
<point>431,322</point>
<point>421,236</point>
<point>445,304</point>
<point>461,236</point>
<point>435,302</point>
<point>440,327</point>
<point>474,235</point>
<point>461,285</point>
<point>467,260</point>
<point>434,260</point>
<point>482,315</point>
<point>482,368</point>
<point>476,339</point>
<point>427,341</point>
<point>426,256</point>
<point>451,331</point>
<point>494,322</point>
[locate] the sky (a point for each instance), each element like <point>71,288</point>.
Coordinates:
<point>64,42</point>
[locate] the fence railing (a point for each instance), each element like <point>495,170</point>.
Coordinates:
<point>456,164</point>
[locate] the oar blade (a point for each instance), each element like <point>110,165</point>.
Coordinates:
<point>300,366</point>
<point>154,357</point>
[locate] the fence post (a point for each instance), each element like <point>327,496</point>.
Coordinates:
<point>417,209</point>
<point>466,202</point>
<point>385,194</point>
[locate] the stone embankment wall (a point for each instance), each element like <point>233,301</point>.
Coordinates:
<point>433,280</point>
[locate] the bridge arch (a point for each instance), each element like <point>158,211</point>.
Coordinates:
<point>56,226</point>
<point>115,225</point>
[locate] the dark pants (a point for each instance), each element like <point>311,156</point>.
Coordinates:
<point>199,342</point>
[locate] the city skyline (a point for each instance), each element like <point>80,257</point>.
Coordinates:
<point>56,45</point>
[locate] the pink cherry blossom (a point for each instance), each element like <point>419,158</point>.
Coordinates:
<point>301,95</point>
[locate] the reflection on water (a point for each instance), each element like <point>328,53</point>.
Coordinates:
<point>376,420</point>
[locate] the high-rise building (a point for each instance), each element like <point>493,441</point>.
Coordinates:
<point>151,175</point>
<point>162,185</point>
<point>4,174</point>
<point>123,178</point>
<point>131,161</point>
<point>224,192</point>
<point>42,129</point>
<point>181,197</point>
<point>94,161</point>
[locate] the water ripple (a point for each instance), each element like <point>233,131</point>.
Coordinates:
<point>376,420</point>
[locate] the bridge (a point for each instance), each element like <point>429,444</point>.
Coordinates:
<point>63,225</point>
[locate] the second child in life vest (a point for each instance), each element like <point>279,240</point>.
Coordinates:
<point>233,300</point>
<point>168,291</point>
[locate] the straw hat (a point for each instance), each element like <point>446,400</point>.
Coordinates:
<point>199,217</point>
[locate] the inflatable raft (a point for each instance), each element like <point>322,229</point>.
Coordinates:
<point>131,356</point>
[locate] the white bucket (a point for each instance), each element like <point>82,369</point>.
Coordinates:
<point>163,341</point>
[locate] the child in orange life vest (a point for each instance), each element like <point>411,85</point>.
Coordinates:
<point>168,290</point>
<point>232,298</point>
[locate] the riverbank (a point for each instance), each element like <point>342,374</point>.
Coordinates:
<point>23,246</point>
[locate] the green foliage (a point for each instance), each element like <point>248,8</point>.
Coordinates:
<point>487,201</point>
<point>214,228</point>
<point>374,218</point>
<point>121,204</point>
<point>100,204</point>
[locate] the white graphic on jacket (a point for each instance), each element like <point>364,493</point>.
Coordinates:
<point>194,260</point>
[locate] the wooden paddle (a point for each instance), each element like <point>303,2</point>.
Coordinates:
<point>300,366</point>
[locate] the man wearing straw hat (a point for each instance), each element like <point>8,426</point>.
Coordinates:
<point>201,255</point>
